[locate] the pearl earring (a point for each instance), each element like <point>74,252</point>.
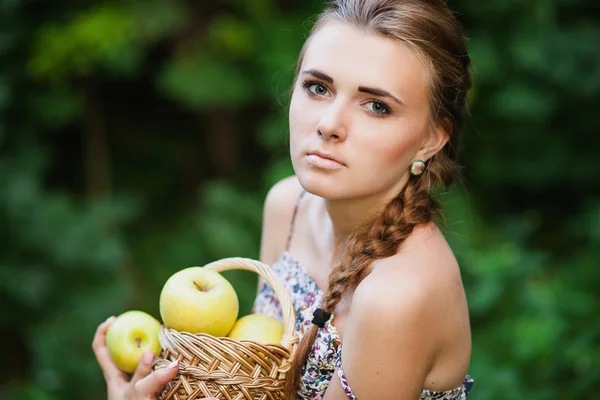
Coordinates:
<point>417,167</point>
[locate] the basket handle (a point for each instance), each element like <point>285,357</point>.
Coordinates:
<point>266,272</point>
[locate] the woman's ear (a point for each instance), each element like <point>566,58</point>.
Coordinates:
<point>435,139</point>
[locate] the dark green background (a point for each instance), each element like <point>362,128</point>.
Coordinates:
<point>140,137</point>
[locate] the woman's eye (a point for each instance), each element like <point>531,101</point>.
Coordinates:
<point>318,89</point>
<point>377,107</point>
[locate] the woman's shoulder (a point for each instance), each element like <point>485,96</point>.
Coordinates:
<point>391,321</point>
<point>420,282</point>
<point>410,312</point>
<point>278,211</point>
<point>283,195</point>
<point>424,260</point>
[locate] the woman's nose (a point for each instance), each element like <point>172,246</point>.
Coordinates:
<point>333,124</point>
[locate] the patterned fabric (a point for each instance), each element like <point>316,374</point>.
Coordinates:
<point>325,355</point>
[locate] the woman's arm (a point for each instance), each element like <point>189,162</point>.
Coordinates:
<point>388,344</point>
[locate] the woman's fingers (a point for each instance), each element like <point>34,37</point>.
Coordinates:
<point>147,388</point>
<point>144,367</point>
<point>109,369</point>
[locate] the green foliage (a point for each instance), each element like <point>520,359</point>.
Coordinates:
<point>202,84</point>
<point>59,269</point>
<point>101,36</point>
<point>192,102</point>
<point>107,36</point>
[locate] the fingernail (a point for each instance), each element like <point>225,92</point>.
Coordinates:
<point>109,319</point>
<point>148,357</point>
<point>173,365</point>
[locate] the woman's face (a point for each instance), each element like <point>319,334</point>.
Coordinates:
<point>359,114</point>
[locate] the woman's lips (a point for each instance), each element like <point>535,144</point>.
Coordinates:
<point>323,162</point>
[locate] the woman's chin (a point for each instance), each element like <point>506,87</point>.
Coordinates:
<point>327,186</point>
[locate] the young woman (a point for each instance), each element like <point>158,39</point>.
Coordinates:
<point>377,104</point>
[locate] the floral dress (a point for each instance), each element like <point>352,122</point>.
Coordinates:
<point>325,354</point>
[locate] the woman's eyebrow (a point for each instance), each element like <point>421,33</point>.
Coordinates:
<point>364,89</point>
<point>318,74</point>
<point>380,93</point>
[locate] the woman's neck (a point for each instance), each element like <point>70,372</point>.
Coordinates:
<point>336,220</point>
<point>345,216</point>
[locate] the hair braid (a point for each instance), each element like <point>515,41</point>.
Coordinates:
<point>380,238</point>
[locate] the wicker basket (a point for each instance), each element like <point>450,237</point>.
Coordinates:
<point>225,368</point>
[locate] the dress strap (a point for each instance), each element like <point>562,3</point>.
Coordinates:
<point>342,376</point>
<point>289,239</point>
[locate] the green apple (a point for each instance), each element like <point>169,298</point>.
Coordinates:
<point>129,336</point>
<point>258,328</point>
<point>199,300</point>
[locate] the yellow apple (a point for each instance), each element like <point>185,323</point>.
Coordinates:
<point>199,300</point>
<point>130,336</point>
<point>259,328</point>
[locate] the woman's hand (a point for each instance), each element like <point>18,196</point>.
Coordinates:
<point>143,385</point>
<point>148,387</point>
<point>152,382</point>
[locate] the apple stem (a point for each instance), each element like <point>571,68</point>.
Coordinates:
<point>138,342</point>
<point>201,288</point>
